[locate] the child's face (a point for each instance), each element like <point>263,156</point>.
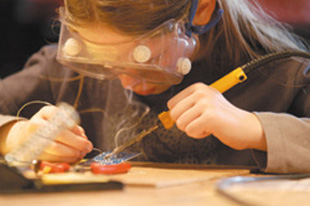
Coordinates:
<point>137,84</point>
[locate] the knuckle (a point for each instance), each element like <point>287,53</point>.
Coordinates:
<point>53,146</point>
<point>199,95</point>
<point>203,104</point>
<point>173,114</point>
<point>170,104</point>
<point>81,129</point>
<point>198,85</point>
<point>48,108</point>
<point>45,112</point>
<point>71,152</point>
<point>180,125</point>
<point>86,145</point>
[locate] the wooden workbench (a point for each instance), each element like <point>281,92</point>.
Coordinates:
<point>149,185</point>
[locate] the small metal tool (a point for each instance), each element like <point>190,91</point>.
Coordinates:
<point>136,139</point>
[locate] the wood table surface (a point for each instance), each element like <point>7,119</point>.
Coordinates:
<point>152,185</point>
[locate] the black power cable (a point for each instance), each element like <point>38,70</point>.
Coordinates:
<point>261,61</point>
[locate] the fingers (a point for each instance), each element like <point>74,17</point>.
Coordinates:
<point>187,99</point>
<point>74,137</point>
<point>78,130</point>
<point>80,143</point>
<point>197,89</point>
<point>62,150</point>
<point>198,128</point>
<point>46,112</point>
<point>193,110</point>
<point>181,107</point>
<point>69,146</point>
<point>187,117</point>
<point>194,123</point>
<point>180,96</point>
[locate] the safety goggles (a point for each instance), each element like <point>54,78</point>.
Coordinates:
<point>160,56</point>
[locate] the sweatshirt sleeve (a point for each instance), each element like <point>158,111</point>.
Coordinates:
<point>288,134</point>
<point>28,84</point>
<point>288,143</point>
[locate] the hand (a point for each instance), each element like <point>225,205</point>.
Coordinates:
<point>70,146</point>
<point>200,110</point>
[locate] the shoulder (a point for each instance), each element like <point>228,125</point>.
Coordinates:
<point>296,67</point>
<point>285,70</point>
<point>46,55</point>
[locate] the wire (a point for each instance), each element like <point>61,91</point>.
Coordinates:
<point>29,103</point>
<point>254,64</point>
<point>79,92</point>
<point>97,149</point>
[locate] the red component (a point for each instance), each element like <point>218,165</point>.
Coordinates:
<point>54,167</point>
<point>98,168</point>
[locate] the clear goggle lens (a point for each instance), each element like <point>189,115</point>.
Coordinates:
<point>161,56</point>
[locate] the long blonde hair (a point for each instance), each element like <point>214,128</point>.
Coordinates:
<point>244,32</point>
<point>247,31</point>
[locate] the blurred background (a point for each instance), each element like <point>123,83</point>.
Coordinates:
<point>27,25</point>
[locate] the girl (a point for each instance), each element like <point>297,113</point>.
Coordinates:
<point>147,47</point>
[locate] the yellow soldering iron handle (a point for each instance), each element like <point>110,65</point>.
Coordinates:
<point>222,85</point>
<point>229,80</point>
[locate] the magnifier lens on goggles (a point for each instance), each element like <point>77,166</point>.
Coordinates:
<point>160,56</point>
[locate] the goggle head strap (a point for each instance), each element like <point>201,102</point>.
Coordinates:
<point>190,28</point>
